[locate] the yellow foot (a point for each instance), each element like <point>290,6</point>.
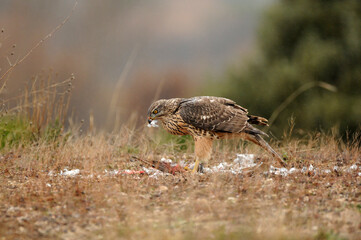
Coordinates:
<point>196,165</point>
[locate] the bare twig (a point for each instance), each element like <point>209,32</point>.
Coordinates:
<point>296,93</point>
<point>113,110</point>
<point>162,166</point>
<point>33,91</point>
<point>12,67</point>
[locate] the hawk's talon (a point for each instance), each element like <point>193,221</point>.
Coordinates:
<point>200,168</point>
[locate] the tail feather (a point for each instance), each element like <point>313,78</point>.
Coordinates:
<point>253,131</point>
<point>257,120</point>
<point>257,139</point>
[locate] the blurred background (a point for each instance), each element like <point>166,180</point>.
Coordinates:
<point>292,61</point>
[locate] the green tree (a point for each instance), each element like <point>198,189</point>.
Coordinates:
<point>302,43</point>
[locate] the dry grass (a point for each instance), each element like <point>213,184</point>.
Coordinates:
<point>254,205</point>
<point>36,204</point>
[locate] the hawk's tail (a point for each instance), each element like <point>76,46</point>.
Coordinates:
<point>257,139</point>
<point>257,120</point>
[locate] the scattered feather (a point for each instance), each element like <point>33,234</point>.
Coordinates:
<point>153,124</point>
<point>69,173</point>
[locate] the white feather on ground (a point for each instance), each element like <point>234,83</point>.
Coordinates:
<point>243,162</point>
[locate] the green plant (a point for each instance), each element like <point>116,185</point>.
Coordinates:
<point>305,55</point>
<point>15,131</point>
<point>324,235</point>
<point>39,114</point>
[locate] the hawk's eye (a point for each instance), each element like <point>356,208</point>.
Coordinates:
<point>155,111</point>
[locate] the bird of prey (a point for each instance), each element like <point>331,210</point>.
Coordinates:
<point>207,118</point>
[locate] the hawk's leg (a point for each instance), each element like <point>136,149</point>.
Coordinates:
<point>203,150</point>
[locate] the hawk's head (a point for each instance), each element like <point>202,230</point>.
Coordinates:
<point>162,108</point>
<point>157,110</point>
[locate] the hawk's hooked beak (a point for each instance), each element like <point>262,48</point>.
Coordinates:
<point>150,120</point>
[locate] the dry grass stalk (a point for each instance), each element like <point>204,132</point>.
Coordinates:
<point>252,205</point>
<point>49,35</point>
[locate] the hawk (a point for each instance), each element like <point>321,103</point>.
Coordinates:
<point>208,118</point>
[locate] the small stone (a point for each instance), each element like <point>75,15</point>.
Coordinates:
<point>163,188</point>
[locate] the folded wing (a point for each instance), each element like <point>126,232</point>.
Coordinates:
<point>214,114</point>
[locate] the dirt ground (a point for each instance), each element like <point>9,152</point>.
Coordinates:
<point>41,200</point>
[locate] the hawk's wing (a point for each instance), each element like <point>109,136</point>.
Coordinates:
<point>213,114</point>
